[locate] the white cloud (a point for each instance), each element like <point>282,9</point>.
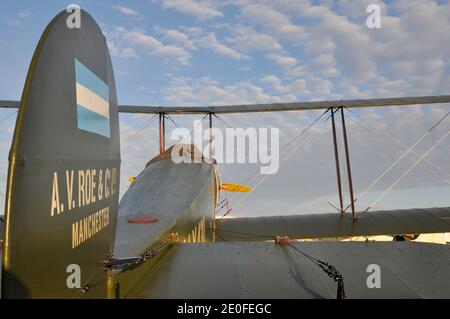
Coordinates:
<point>177,37</point>
<point>284,61</point>
<point>24,14</point>
<point>272,21</point>
<point>129,53</point>
<point>17,21</point>
<point>327,65</point>
<point>126,11</point>
<point>201,9</point>
<point>295,88</point>
<point>141,40</point>
<point>247,38</point>
<point>204,91</point>
<point>210,41</point>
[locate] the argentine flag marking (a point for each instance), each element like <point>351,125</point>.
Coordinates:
<point>92,101</point>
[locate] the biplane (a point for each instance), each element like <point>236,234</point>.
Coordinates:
<point>66,235</point>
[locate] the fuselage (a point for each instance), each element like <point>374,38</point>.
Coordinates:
<point>180,199</point>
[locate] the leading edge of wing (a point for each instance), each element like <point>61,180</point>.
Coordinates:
<point>334,225</point>
<point>279,107</point>
<point>272,107</point>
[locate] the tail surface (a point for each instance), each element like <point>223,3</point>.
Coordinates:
<point>63,178</point>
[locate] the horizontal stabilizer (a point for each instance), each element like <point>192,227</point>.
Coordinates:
<point>333,225</point>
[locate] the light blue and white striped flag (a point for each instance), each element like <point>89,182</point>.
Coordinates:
<point>92,101</point>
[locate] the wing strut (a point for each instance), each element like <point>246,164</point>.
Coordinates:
<point>336,157</point>
<point>347,160</point>
<point>210,135</point>
<point>162,133</point>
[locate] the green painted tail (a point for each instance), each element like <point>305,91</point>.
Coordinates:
<point>63,179</point>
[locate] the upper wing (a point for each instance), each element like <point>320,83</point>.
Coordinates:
<point>273,107</point>
<point>389,222</point>
<point>266,270</point>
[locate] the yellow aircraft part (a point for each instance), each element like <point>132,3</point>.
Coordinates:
<point>235,188</point>
<point>131,179</point>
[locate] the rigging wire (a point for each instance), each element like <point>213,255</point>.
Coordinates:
<point>306,131</point>
<point>141,128</point>
<point>398,180</point>
<point>170,119</point>
<point>429,165</point>
<point>398,143</point>
<point>199,123</point>
<point>409,150</point>
<point>7,127</point>
<point>265,177</point>
<point>8,116</point>
<point>284,149</point>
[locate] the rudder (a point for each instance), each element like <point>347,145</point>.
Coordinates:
<point>63,178</point>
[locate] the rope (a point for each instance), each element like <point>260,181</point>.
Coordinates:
<point>123,265</point>
<point>407,171</point>
<point>329,269</point>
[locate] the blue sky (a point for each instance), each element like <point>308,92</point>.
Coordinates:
<point>185,52</point>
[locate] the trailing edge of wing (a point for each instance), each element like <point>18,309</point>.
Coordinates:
<point>273,107</point>
<point>333,225</point>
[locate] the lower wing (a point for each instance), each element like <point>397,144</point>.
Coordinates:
<point>267,270</point>
<point>333,225</point>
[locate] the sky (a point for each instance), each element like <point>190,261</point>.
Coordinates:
<point>205,52</point>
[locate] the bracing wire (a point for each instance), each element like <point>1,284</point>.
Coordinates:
<point>199,123</point>
<point>141,128</point>
<point>398,180</point>
<point>171,120</point>
<point>8,116</point>
<point>398,143</point>
<point>306,131</point>
<point>409,150</point>
<point>9,125</point>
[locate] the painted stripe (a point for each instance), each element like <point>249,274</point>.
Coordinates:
<point>88,79</point>
<point>92,101</point>
<point>92,122</point>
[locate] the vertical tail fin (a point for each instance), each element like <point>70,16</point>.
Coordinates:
<point>63,178</point>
